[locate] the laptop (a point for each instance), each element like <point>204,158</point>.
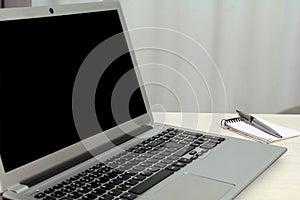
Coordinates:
<point>75,120</point>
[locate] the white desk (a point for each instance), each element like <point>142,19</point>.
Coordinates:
<point>281,181</point>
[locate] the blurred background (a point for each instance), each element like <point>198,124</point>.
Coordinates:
<point>214,55</point>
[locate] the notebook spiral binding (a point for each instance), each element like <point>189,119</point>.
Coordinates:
<point>231,120</point>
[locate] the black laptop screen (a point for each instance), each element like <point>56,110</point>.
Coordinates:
<point>40,59</point>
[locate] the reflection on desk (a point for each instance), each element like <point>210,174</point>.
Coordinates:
<point>281,180</point>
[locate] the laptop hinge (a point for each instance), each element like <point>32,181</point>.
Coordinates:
<point>18,188</point>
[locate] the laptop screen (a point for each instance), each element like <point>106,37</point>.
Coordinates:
<point>40,59</point>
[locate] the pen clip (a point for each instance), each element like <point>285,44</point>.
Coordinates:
<point>246,117</point>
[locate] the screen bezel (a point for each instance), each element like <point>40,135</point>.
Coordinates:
<point>8,179</point>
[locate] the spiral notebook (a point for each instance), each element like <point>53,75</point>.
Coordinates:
<point>243,128</point>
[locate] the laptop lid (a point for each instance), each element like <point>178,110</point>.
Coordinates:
<point>68,86</point>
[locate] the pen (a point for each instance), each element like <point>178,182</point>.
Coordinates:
<point>258,124</point>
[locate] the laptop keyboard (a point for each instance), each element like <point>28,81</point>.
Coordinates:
<point>132,172</point>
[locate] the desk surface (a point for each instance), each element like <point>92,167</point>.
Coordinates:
<point>281,180</point>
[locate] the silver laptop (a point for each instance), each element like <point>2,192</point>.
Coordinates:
<point>75,123</point>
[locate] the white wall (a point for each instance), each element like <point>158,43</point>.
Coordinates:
<point>254,46</point>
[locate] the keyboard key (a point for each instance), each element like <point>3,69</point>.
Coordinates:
<point>131,182</point>
<point>87,179</point>
<point>211,137</point>
<point>192,152</point>
<point>77,184</point>
<point>58,186</point>
<point>168,161</point>
<point>146,164</point>
<point>139,168</point>
<point>184,151</point>
<point>115,181</point>
<point>202,139</point>
<point>193,134</point>
<point>179,164</point>
<point>66,182</point>
<point>151,181</point>
<point>128,196</point>
<point>165,153</point>
<point>192,137</point>
<point>106,197</point>
<point>208,145</point>
<point>115,192</point>
<point>139,151</point>
<point>98,192</point>
<point>152,138</point>
<point>107,187</point>
<point>112,175</point>
<point>123,187</point>
<point>139,177</point>
<point>154,152</point>
<point>152,160</point>
<point>156,143</point>
<point>185,160</point>
<point>183,142</point>
<point>154,169</point>
<point>198,142</point>
<point>158,157</point>
<point>124,177</point>
<point>68,189</point>
<point>39,195</point>
<point>160,165</point>
<point>58,194</point>
<point>172,133</point>
<point>173,168</point>
<point>169,136</point>
<point>146,173</point>
<point>84,189</point>
<point>195,144</point>
<point>49,191</point>
<point>89,197</point>
<point>103,180</point>
<point>75,195</point>
<point>178,131</point>
<point>215,141</point>
<point>131,173</point>
<point>117,171</point>
<point>94,184</point>
<point>49,198</point>
<point>164,138</point>
<point>188,140</point>
<point>146,155</point>
<point>74,178</point>
<point>65,198</point>
<point>199,154</point>
<point>173,157</point>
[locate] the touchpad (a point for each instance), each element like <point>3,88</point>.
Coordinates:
<point>192,187</point>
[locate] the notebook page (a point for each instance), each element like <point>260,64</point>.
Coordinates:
<point>247,128</point>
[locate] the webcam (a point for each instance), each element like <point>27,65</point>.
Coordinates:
<point>51,10</point>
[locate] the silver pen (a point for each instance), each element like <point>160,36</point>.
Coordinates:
<point>258,124</point>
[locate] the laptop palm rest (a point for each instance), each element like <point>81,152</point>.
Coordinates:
<point>195,187</point>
